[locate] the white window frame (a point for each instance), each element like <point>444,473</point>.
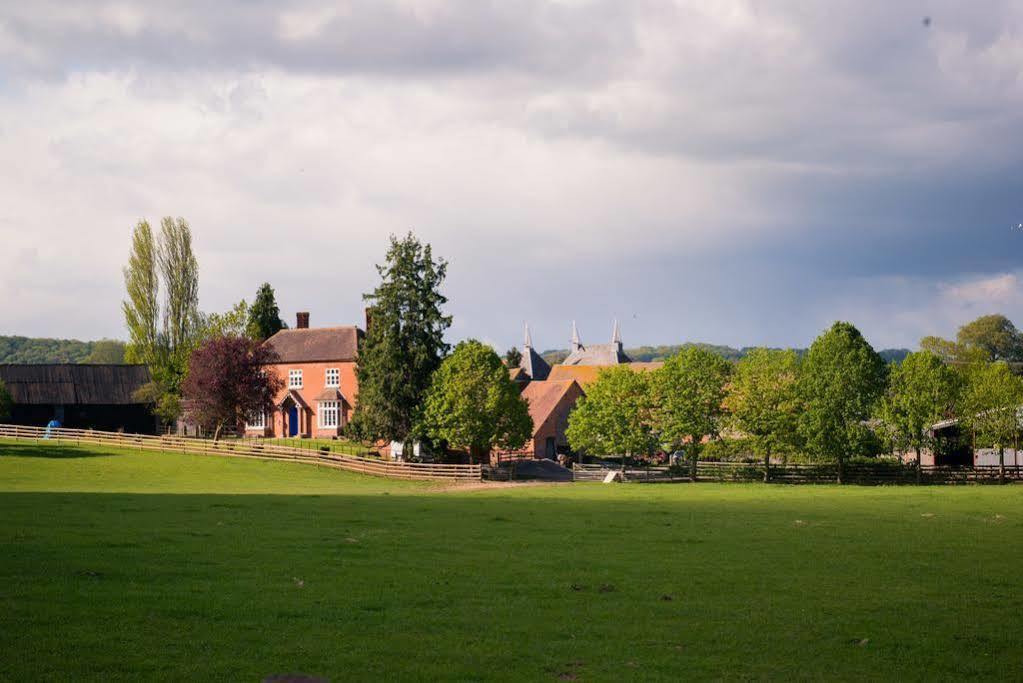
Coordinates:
<point>329,414</point>
<point>294,379</point>
<point>332,378</point>
<point>257,421</point>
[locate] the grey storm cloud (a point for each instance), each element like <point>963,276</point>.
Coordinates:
<point>738,172</point>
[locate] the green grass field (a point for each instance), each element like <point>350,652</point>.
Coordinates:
<point>136,566</point>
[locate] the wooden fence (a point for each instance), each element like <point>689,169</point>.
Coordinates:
<point>245,448</point>
<point>881,472</point>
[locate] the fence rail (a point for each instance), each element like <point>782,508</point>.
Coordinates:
<point>245,448</point>
<point>803,473</point>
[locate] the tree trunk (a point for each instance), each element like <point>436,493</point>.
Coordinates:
<point>841,468</point>
<point>1001,464</point>
<point>216,432</point>
<point>918,465</point>
<point>625,458</point>
<point>696,458</point>
<point>767,466</point>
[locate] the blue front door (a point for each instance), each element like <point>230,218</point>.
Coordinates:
<point>293,421</point>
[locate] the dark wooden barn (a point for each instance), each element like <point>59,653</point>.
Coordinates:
<point>79,396</point>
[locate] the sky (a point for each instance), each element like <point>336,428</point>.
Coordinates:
<point>734,172</point>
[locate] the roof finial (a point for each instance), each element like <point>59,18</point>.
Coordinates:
<point>529,339</point>
<point>575,338</point>
<point>616,333</point>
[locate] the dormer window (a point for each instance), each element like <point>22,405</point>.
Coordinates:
<point>333,379</point>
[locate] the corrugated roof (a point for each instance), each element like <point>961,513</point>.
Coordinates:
<point>310,345</point>
<point>544,397</point>
<point>67,384</point>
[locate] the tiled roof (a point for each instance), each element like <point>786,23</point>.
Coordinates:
<point>66,384</point>
<point>597,354</point>
<point>309,345</point>
<point>543,398</point>
<point>587,374</point>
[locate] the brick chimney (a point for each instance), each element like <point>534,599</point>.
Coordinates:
<point>302,320</point>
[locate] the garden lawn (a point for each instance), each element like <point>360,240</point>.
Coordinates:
<point>125,565</point>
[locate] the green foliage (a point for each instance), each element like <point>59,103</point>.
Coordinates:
<point>473,404</point>
<point>990,403</point>
<point>404,344</point>
<point>947,351</point>
<point>995,335</point>
<point>105,351</point>
<point>36,350</point>
<point>842,379</point>
<point>162,335</point>
<point>644,354</point>
<point>688,394</point>
<point>6,401</point>
<point>921,391</point>
<point>233,323</point>
<point>763,400</point>
<point>513,357</point>
<point>614,417</point>
<point>264,316</point>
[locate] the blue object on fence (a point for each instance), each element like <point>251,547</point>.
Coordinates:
<point>52,424</point>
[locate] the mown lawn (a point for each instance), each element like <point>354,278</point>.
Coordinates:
<point>125,565</point>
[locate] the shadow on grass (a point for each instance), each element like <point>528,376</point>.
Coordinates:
<point>41,449</point>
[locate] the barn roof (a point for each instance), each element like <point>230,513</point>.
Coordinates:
<point>309,345</point>
<point>67,384</point>
<point>544,397</point>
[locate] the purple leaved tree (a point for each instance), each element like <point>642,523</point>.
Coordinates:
<point>226,382</point>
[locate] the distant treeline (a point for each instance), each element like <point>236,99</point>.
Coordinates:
<point>645,354</point>
<point>36,350</point>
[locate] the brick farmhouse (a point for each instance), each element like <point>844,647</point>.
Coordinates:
<point>317,366</point>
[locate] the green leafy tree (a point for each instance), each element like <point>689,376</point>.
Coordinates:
<point>513,357</point>
<point>921,391</point>
<point>162,335</point>
<point>6,401</point>
<point>995,335</point>
<point>105,351</point>
<point>404,341</point>
<point>763,402</point>
<point>264,316</point>
<point>614,417</point>
<point>142,307</point>
<point>233,323</point>
<point>947,351</point>
<point>689,391</point>
<point>990,406</point>
<point>841,381</point>
<point>473,404</point>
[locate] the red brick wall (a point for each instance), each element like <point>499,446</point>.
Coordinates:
<point>314,378</point>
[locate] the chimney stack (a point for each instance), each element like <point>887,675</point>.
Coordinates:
<point>302,320</point>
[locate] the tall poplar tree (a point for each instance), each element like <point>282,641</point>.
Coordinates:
<point>142,307</point>
<point>163,333</point>
<point>404,341</point>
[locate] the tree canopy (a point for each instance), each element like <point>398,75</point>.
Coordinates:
<point>841,381</point>
<point>264,315</point>
<point>921,391</point>
<point>763,401</point>
<point>990,403</point>
<point>404,341</point>
<point>105,351</point>
<point>163,333</point>
<point>614,417</point>
<point>473,404</point>
<point>226,382</point>
<point>513,357</point>
<point>689,392</point>
<point>993,334</point>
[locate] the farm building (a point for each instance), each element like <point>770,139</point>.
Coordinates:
<point>317,366</point>
<point>550,402</point>
<point>80,396</point>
